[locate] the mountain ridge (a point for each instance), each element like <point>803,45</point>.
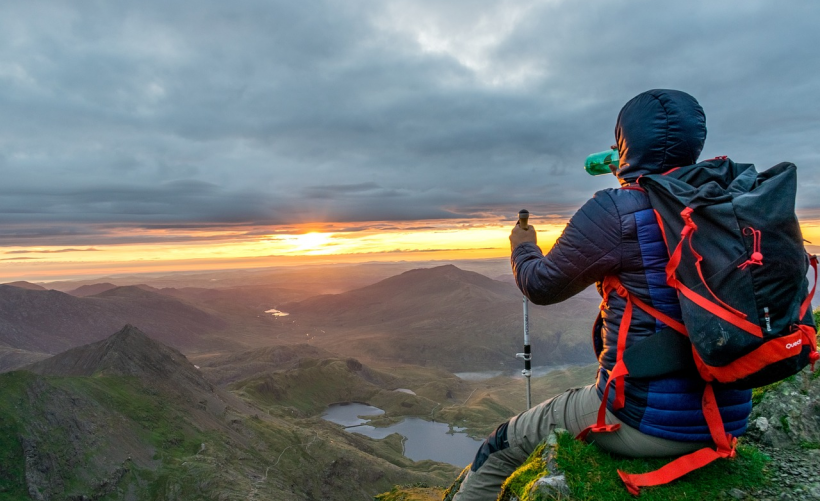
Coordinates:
<point>91,289</point>
<point>128,352</point>
<point>22,284</point>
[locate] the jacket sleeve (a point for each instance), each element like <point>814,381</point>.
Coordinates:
<point>588,249</point>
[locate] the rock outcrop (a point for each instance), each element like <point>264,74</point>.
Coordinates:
<point>788,414</point>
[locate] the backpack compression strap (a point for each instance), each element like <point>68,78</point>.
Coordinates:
<point>773,350</point>
<point>814,356</point>
<point>620,371</point>
<point>719,309</point>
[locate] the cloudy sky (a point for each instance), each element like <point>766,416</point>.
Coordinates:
<point>194,128</point>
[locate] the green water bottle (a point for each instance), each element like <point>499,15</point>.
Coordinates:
<point>598,163</point>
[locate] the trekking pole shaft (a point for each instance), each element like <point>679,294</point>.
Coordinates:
<point>527,372</point>
<point>523,222</point>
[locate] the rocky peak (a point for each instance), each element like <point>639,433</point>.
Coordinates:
<point>128,352</point>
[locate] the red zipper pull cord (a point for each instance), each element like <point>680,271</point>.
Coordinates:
<point>757,256</point>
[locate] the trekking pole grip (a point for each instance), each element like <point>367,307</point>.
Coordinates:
<point>523,218</point>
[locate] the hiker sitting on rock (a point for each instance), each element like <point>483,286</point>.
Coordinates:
<point>615,234</point>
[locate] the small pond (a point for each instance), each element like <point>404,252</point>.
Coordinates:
<point>424,439</point>
<point>277,313</point>
<point>347,414</point>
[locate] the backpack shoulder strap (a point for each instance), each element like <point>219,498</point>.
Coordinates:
<point>620,370</point>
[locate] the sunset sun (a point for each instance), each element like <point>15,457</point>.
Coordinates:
<point>308,243</point>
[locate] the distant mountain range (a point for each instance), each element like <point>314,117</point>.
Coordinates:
<point>90,290</point>
<point>443,316</point>
<point>446,317</point>
<point>312,279</point>
<point>26,285</point>
<point>48,321</point>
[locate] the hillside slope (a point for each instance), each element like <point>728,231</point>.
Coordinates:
<point>12,358</point>
<point>231,367</point>
<point>127,418</point>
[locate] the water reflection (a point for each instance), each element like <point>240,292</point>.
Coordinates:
<point>277,313</point>
<point>347,414</point>
<point>424,439</point>
<point>539,371</point>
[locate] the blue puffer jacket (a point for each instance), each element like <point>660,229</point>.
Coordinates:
<point>615,233</point>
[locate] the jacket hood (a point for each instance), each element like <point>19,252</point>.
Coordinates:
<point>658,130</point>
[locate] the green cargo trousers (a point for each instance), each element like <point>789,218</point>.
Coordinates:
<point>572,410</point>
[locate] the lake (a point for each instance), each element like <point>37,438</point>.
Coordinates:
<point>424,439</point>
<point>539,371</point>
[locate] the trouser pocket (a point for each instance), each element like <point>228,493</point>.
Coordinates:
<point>496,441</point>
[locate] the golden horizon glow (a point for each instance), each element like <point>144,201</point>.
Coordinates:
<point>192,250</point>
<point>235,248</point>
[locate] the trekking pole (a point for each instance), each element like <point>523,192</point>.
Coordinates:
<point>523,218</point>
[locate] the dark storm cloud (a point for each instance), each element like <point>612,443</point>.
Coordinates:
<point>181,114</point>
<point>351,190</point>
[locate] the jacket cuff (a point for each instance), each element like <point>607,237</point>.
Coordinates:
<point>526,250</point>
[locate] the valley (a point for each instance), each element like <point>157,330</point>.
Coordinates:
<point>442,316</point>
<point>203,395</point>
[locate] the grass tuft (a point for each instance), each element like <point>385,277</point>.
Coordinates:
<point>592,474</point>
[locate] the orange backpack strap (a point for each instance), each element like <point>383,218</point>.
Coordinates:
<point>685,464</point>
<point>719,308</point>
<point>620,371</point>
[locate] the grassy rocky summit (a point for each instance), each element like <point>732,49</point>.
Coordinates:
<point>777,459</point>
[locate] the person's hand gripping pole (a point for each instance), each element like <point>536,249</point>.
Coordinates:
<point>522,232</point>
<point>523,224</point>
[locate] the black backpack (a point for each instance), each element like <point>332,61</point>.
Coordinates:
<point>737,260</point>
